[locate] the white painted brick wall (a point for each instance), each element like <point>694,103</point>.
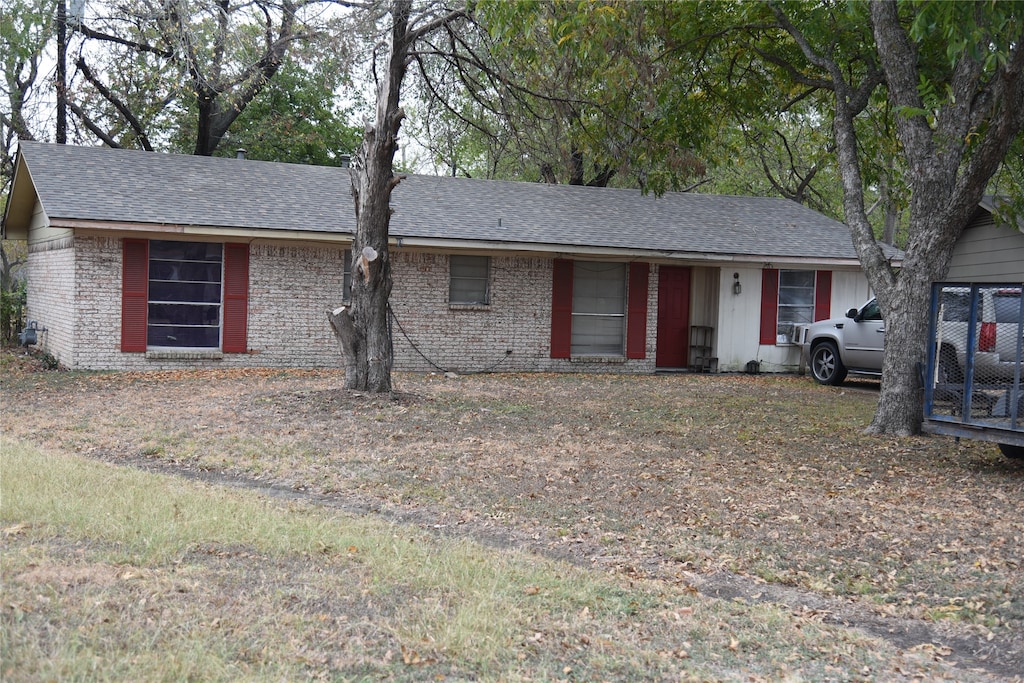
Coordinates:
<point>291,288</point>
<point>466,340</point>
<point>50,271</point>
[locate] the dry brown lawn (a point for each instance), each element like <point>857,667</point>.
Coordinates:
<point>756,488</point>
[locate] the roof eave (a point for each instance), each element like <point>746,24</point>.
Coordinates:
<point>21,203</point>
<point>449,244</point>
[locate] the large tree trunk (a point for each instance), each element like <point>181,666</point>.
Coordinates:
<point>904,304</point>
<point>362,328</point>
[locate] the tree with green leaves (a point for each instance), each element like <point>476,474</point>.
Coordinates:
<point>297,118</point>
<point>952,77</point>
<point>563,92</point>
<point>24,32</point>
<point>149,63</point>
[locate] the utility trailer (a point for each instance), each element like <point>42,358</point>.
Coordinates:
<point>973,383</point>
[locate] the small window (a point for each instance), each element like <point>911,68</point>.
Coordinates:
<point>796,302</point>
<point>468,280</point>
<point>598,309</point>
<point>184,294</point>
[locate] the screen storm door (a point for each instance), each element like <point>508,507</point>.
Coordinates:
<point>185,294</point>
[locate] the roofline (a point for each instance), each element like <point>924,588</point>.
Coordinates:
<point>448,244</point>
<point>19,194</point>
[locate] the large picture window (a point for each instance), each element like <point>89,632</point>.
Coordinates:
<point>184,295</point>
<point>598,309</point>
<point>184,308</point>
<point>468,280</point>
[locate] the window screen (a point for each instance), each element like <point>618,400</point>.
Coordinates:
<point>468,279</point>
<point>598,309</point>
<point>184,294</point>
<point>796,301</point>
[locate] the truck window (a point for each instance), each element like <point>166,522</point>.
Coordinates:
<point>1007,308</point>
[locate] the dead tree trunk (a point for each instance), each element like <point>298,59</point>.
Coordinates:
<point>362,328</point>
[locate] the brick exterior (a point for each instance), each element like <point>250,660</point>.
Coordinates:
<point>51,284</point>
<point>431,335</point>
<point>75,292</point>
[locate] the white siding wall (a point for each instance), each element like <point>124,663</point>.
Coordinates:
<point>988,253</point>
<point>740,318</point>
<point>739,321</point>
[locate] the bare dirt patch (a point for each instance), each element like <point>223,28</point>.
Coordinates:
<point>754,488</point>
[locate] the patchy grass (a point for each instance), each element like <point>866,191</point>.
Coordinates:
<point>674,479</point>
<point>163,579</point>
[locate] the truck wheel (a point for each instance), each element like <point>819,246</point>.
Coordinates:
<point>1012,450</point>
<point>826,366</point>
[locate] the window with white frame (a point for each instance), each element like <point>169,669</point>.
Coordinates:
<point>184,307</point>
<point>468,280</point>
<point>598,309</point>
<point>796,302</point>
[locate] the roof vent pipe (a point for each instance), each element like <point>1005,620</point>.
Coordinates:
<point>240,153</point>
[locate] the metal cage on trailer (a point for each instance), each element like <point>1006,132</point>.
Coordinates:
<point>973,376</point>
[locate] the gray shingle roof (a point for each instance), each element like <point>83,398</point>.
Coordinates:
<point>128,186</point>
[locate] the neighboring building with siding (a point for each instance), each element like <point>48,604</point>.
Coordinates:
<point>139,260</point>
<point>988,251</point>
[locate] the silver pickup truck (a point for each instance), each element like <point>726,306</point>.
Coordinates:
<point>854,344</point>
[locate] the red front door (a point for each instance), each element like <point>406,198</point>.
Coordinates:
<point>673,317</point>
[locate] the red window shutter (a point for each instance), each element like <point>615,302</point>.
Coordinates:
<point>823,295</point>
<point>561,309</point>
<point>636,311</point>
<point>134,295</point>
<point>769,305</point>
<point>236,298</point>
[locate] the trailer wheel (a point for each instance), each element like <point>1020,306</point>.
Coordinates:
<point>1012,450</point>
